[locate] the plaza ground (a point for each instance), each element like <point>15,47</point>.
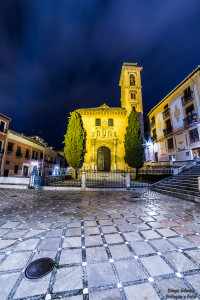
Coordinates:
<point>133,244</point>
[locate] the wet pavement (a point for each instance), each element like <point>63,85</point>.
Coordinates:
<point>115,245</point>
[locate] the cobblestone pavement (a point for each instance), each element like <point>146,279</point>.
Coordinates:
<point>109,245</point>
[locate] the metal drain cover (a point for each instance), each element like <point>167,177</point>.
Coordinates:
<point>39,268</point>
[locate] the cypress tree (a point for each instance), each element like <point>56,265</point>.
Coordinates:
<point>133,142</point>
<point>74,141</point>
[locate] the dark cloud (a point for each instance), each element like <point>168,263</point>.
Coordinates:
<point>59,55</point>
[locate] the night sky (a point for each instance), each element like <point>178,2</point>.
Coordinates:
<point>60,55</point>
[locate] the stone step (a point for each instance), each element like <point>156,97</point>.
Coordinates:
<point>186,188</point>
<point>179,189</point>
<point>177,195</point>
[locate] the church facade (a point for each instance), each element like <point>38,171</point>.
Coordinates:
<point>106,126</point>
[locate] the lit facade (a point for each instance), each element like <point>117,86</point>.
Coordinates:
<point>22,153</point>
<point>175,123</point>
<point>106,126</point>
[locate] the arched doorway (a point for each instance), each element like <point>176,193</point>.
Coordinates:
<point>103,159</point>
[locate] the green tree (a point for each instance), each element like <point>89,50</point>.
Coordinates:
<point>74,141</point>
<point>133,142</point>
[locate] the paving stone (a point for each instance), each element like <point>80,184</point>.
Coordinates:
<point>71,256</point>
<point>73,232</point>
<point>93,240</point>
<point>100,275</point>
<point>162,245</point>
<point>166,286</point>
<point>181,242</point>
<point>72,242</point>
<point>109,229</point>
<point>6,243</point>
<point>7,282</point>
<point>150,234</point>
<point>141,248</point>
<point>132,236</point>
<point>195,254</point>
<point>15,261</point>
<point>195,239</point>
<point>113,238</point>
<point>91,230</point>
<point>141,291</point>
<point>54,233</point>
<point>10,225</point>
<point>49,244</point>
<point>96,254</point>
<point>67,279</point>
<point>180,262</point>
<point>112,294</point>
<point>155,265</point>
<point>194,281</point>
<point>42,254</point>
<point>28,288</point>
<point>129,270</point>
<point>3,231</point>
<point>125,227</point>
<point>29,244</point>
<point>167,232</point>
<point>120,251</point>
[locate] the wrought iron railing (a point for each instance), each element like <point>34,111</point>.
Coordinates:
<point>190,119</point>
<point>187,97</point>
<point>112,179</point>
<point>166,113</point>
<point>167,131</point>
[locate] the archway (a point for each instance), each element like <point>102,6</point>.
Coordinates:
<point>103,159</point>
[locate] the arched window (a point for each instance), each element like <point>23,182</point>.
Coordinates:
<point>132,80</point>
<point>132,95</point>
<point>98,133</point>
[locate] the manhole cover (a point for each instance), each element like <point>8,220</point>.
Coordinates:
<point>39,268</point>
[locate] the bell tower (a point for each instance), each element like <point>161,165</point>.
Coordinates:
<point>131,89</point>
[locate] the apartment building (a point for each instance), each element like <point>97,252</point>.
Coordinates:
<point>22,153</point>
<point>174,123</point>
<point>4,124</point>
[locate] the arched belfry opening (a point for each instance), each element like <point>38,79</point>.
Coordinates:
<point>103,159</point>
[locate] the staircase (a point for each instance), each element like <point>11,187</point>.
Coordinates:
<point>183,185</point>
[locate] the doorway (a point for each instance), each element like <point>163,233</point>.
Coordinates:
<point>103,159</point>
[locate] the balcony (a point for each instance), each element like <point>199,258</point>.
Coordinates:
<point>27,157</point>
<point>168,131</point>
<point>187,98</point>
<point>18,155</point>
<point>190,120</point>
<point>166,113</point>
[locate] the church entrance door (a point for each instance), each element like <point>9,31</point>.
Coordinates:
<point>103,159</point>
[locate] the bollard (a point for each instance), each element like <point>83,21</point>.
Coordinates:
<point>128,181</point>
<point>83,185</point>
<point>199,183</point>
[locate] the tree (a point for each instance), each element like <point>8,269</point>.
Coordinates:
<point>133,142</point>
<point>74,141</point>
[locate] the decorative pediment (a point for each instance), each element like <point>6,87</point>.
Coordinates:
<point>104,106</point>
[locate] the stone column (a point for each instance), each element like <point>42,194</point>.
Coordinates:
<point>93,146</point>
<point>115,154</point>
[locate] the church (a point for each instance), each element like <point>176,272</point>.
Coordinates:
<point>106,126</point>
